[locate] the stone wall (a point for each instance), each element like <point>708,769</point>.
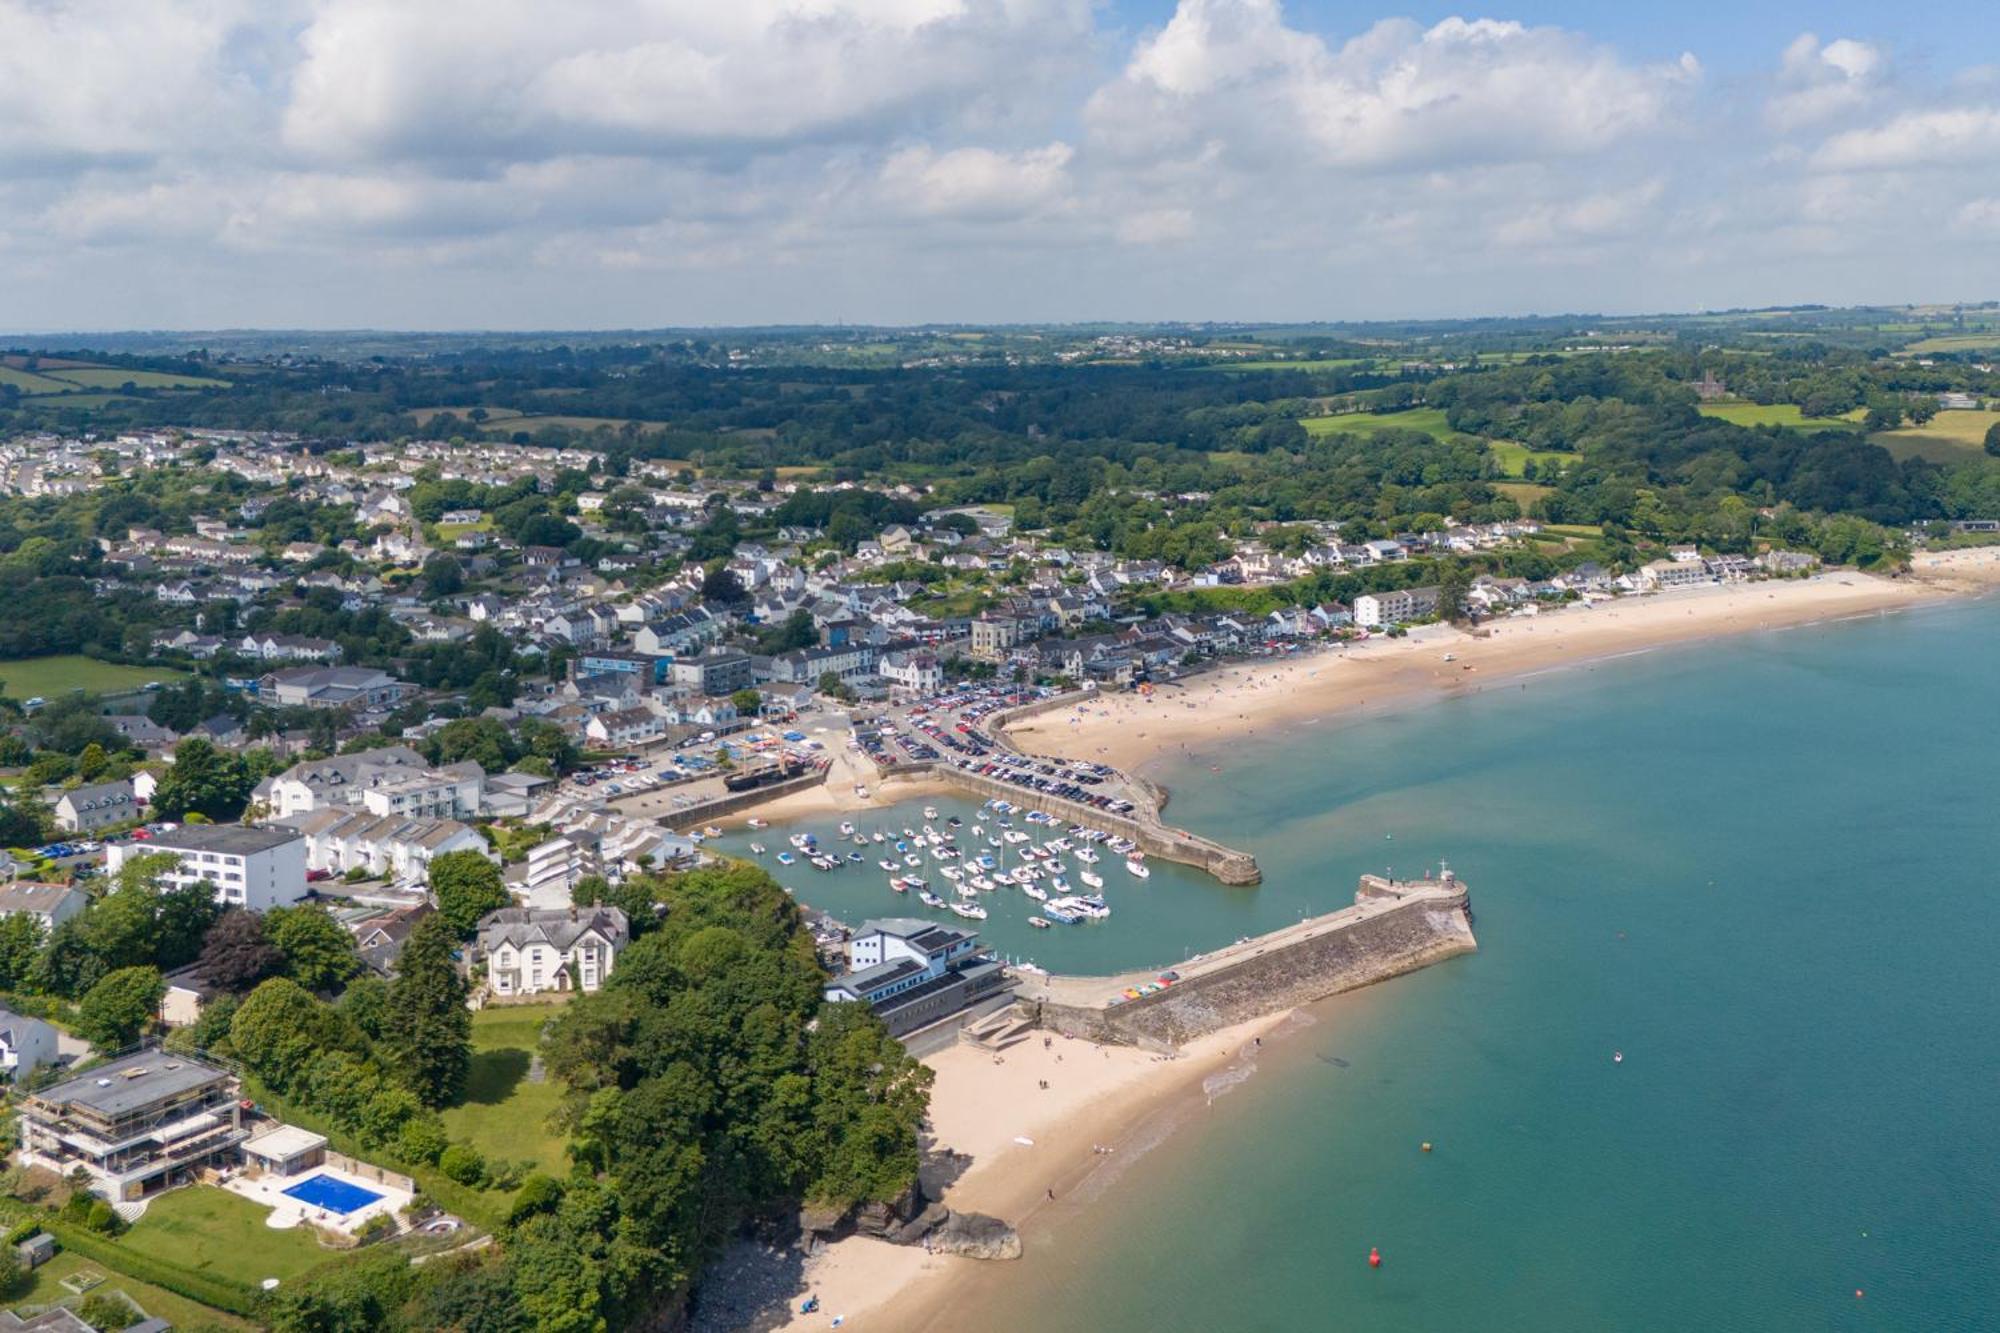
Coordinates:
<point>1298,971</point>
<point>695,816</point>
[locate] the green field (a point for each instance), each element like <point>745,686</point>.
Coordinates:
<point>1301,363</point>
<point>425,415</point>
<point>28,381</point>
<point>78,401</point>
<point>1522,493</point>
<point>1513,458</point>
<point>1946,437</point>
<point>46,1289</point>
<point>1956,342</point>
<point>1777,414</point>
<point>48,677</point>
<point>504,1114</point>
<point>1427,419</point>
<point>112,377</point>
<point>213,1231</point>
<point>535,421</point>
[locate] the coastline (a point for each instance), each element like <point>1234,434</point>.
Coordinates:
<point>981,1106</point>
<point>1130,1099</point>
<point>1185,719</point>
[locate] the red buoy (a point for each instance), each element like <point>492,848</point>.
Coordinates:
<point>1374,1257</point>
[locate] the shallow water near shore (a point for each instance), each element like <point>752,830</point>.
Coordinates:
<point>1763,870</point>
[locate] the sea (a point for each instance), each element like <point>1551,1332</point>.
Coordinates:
<point>1764,871</point>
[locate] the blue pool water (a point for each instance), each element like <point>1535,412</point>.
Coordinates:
<point>335,1196</point>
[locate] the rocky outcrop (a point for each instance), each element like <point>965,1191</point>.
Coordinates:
<point>916,1218</point>
<point>976,1236</point>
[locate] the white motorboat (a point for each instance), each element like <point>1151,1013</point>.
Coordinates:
<point>972,910</point>
<point>1137,867</point>
<point>1088,857</point>
<point>756,849</point>
<point>1091,879</point>
<point>930,812</point>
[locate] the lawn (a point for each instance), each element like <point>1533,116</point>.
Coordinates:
<point>1300,363</point>
<point>213,1231</point>
<point>1777,414</point>
<point>1946,437</point>
<point>48,677</point>
<point>1956,342</point>
<point>1429,419</point>
<point>47,1289</point>
<point>1513,458</point>
<point>531,421</point>
<point>504,1114</point>
<point>424,415</point>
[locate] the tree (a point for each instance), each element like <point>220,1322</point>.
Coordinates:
<point>466,886</point>
<point>117,1008</point>
<point>279,1031</point>
<point>721,586</point>
<point>747,702</point>
<point>90,765</point>
<point>236,955</point>
<point>319,953</point>
<point>20,942</point>
<point>428,1029</point>
<point>443,576</point>
<point>1993,439</point>
<point>203,780</point>
<point>1455,582</point>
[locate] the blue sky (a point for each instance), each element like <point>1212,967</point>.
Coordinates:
<point>471,164</point>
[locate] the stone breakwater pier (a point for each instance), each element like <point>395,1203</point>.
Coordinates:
<point>1394,926</point>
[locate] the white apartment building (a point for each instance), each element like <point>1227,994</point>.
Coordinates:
<point>253,868</point>
<point>1373,610</point>
<point>394,780</point>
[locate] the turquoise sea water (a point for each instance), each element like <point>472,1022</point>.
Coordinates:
<point>1766,870</point>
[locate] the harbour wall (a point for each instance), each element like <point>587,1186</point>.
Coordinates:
<point>1383,936</point>
<point>694,816</point>
<point>1155,839</point>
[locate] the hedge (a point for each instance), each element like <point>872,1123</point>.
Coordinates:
<point>203,1288</point>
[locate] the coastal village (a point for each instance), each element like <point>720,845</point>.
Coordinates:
<point>411,697</point>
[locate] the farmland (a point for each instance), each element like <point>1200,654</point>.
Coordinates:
<point>49,677</point>
<point>78,380</point>
<point>1513,458</point>
<point>1427,419</point>
<point>1777,414</point>
<point>1945,438</point>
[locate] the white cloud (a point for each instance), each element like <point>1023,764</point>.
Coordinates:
<point>977,183</point>
<point>1945,137</point>
<point>514,78</point>
<point>1396,97</point>
<point>604,162</point>
<point>98,80</point>
<point>1817,83</point>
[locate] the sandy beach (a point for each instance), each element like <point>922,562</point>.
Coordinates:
<point>1035,1149</point>
<point>1255,698</point>
<point>1032,1149</point>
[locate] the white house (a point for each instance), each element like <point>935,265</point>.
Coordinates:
<point>26,1044</point>
<point>394,780</point>
<point>386,846</point>
<point>531,950</point>
<point>917,674</point>
<point>626,727</point>
<point>252,868</point>
<point>95,806</point>
<point>50,904</point>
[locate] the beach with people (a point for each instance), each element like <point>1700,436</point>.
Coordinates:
<point>1195,715</point>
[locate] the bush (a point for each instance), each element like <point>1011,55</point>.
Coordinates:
<point>421,1140</point>
<point>375,1228</point>
<point>100,1218</point>
<point>539,1194</point>
<point>461,1162</point>
<point>21,1231</point>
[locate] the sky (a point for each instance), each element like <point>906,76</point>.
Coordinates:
<point>593,164</point>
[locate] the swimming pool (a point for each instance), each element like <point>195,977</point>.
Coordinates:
<point>332,1194</point>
